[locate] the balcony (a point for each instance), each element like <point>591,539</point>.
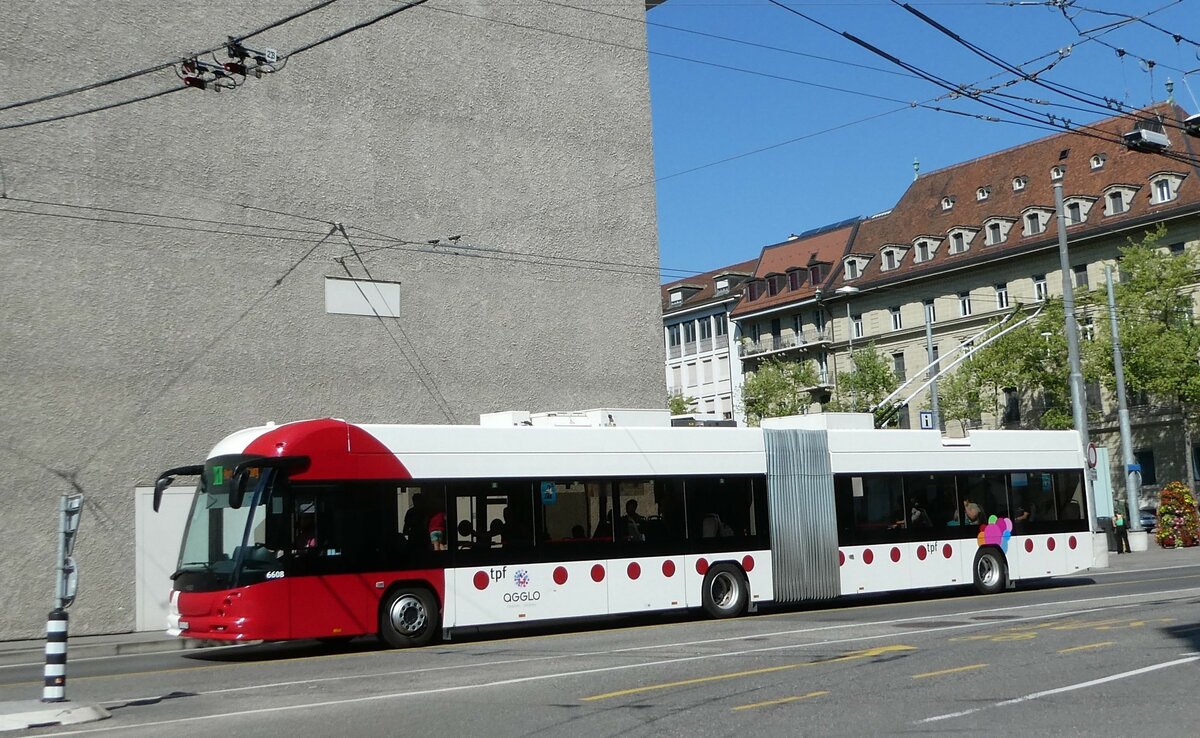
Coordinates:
<point>766,345</point>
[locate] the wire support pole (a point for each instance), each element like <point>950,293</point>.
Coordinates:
<point>1132,478</point>
<point>1071,327</point>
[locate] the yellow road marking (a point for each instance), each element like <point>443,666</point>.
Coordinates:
<point>1084,648</point>
<point>865,653</point>
<point>956,670</point>
<point>782,701</point>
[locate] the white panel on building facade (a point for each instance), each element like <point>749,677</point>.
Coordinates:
<point>362,297</point>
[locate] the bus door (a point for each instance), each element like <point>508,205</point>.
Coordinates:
<point>327,560</point>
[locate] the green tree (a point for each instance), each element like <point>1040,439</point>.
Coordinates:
<point>1160,341</point>
<point>777,388</point>
<point>869,381</point>
<point>678,404</point>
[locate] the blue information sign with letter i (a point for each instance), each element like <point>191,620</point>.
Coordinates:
<point>549,493</point>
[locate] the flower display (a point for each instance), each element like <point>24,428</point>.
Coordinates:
<point>1178,521</point>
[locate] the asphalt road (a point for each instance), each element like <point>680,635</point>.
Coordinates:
<point>1107,654</point>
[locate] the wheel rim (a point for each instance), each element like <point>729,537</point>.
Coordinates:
<point>408,615</point>
<point>988,571</point>
<point>725,590</point>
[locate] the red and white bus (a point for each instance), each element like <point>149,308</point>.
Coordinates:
<point>328,529</point>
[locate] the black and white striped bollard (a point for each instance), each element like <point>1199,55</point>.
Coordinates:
<point>55,689</point>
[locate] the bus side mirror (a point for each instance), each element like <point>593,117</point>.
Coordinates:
<point>237,487</point>
<point>166,478</point>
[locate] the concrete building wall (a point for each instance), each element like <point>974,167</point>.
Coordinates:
<point>134,345</point>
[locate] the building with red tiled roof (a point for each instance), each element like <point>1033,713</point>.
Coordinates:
<point>968,242</point>
<point>696,335</point>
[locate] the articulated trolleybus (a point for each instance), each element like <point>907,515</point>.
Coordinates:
<point>328,529</point>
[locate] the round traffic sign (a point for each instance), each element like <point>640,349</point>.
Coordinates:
<point>1091,455</point>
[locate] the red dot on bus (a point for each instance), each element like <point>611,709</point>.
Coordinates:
<point>597,573</point>
<point>1029,545</point>
<point>668,568</point>
<point>481,580</point>
<point>1050,543</point>
<point>921,553</point>
<point>748,564</point>
<point>560,575</point>
<point>868,557</point>
<point>895,553</point>
<point>841,558</point>
<point>1072,542</point>
<point>701,566</point>
<point>634,571</point>
<point>947,551</point>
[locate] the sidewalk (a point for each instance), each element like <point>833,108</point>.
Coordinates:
<point>1152,558</point>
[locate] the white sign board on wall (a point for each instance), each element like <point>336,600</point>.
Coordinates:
<point>156,550</point>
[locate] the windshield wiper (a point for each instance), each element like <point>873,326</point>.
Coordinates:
<point>191,566</point>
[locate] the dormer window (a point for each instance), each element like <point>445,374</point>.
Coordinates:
<point>1097,161</point>
<point>1118,198</point>
<point>1077,209</point>
<point>1164,187</point>
<point>947,203</point>
<point>997,230</point>
<point>754,290</point>
<point>1035,220</point>
<point>773,284</point>
<point>1056,174</point>
<point>983,193</point>
<point>677,297</point>
<point>815,274</point>
<point>891,256</point>
<point>1019,183</point>
<point>960,239</point>
<point>795,279</point>
<point>722,286</point>
<point>925,249</point>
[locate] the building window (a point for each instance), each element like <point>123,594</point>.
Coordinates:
<point>851,269</point>
<point>958,243</point>
<point>819,320</point>
<point>1081,276</point>
<point>983,193</point>
<point>689,332</point>
<point>1176,249</point>
<point>772,287</point>
<point>1033,224</point>
<point>889,260</point>
<point>1039,287</point>
<point>752,291</point>
<point>673,335</point>
<point>1001,296</point>
<point>898,367</point>
<point>856,321</point>
<point>964,304</point>
<point>930,312</point>
<point>922,251</point>
<point>1012,407</point>
<point>1018,183</point>
<point>947,203</point>
<point>722,286</point>
<point>897,323</point>
<point>1087,330</point>
<point>1145,459</point>
<point>676,298</point>
<point>1098,161</point>
<point>1115,202</point>
<point>1162,191</point>
<point>1056,173</point>
<point>721,325</point>
<point>995,235</point>
<point>705,329</point>
<point>1074,213</point>
<point>814,275</point>
<point>795,279</point>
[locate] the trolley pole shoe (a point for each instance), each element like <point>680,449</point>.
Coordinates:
<point>55,689</point>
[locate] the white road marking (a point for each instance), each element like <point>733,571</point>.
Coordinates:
<point>1060,690</point>
<point>599,670</point>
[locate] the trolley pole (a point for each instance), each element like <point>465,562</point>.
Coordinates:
<point>1078,401</point>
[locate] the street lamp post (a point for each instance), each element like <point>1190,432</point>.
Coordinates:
<point>847,291</point>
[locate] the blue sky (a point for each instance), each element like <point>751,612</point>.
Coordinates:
<point>855,150</point>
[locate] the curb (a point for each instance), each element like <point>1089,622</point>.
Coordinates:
<point>34,714</point>
<point>36,654</point>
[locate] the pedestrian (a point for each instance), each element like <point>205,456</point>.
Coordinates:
<point>1122,532</point>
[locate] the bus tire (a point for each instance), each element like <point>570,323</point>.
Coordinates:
<point>408,616</point>
<point>990,571</point>
<point>725,592</point>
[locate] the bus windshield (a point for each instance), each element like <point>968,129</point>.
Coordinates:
<point>220,541</point>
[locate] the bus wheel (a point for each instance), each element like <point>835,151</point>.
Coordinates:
<point>408,617</point>
<point>725,592</point>
<point>990,571</point>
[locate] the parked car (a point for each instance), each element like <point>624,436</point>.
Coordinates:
<point>1149,519</point>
